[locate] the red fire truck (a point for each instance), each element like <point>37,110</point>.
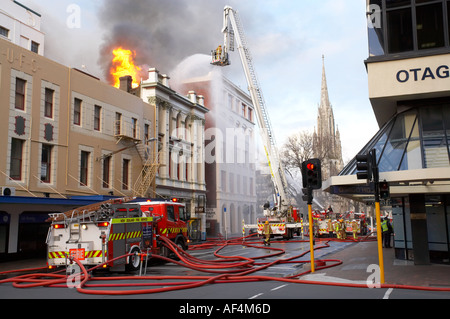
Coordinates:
<point>102,233</point>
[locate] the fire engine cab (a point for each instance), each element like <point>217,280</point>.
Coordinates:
<point>170,220</point>
<point>104,233</point>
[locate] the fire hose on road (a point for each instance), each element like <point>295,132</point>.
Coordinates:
<point>225,269</point>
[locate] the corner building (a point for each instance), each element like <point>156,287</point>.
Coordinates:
<point>409,89</point>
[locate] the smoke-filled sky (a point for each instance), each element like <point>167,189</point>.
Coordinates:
<point>286,38</point>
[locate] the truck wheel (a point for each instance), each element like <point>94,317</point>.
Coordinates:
<point>180,243</point>
<point>134,261</point>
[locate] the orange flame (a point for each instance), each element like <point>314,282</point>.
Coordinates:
<point>123,65</point>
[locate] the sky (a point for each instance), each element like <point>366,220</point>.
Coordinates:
<point>286,38</point>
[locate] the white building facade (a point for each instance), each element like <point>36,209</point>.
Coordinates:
<point>180,136</point>
<point>229,154</point>
<point>22,26</point>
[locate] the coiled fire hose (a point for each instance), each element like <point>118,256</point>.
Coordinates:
<point>226,269</point>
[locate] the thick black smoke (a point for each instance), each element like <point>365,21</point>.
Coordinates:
<point>162,32</point>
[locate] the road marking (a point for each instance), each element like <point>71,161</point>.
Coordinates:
<point>256,296</point>
<point>387,294</point>
<point>276,288</point>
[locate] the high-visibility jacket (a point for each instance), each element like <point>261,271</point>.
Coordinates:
<point>267,230</point>
<point>384,226</point>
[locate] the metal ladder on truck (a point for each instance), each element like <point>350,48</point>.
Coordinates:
<point>233,31</point>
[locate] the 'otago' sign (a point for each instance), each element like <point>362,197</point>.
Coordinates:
<point>423,74</point>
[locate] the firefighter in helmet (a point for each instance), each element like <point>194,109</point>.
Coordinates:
<point>354,228</point>
<point>267,231</point>
<point>219,52</point>
<point>342,229</point>
<point>337,229</point>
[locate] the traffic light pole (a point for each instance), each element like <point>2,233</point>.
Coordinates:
<point>376,181</point>
<point>312,179</point>
<point>311,231</point>
<point>368,169</point>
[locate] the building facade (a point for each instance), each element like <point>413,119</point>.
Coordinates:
<point>409,89</point>
<point>180,139</point>
<point>69,139</point>
<point>229,154</point>
<point>22,26</point>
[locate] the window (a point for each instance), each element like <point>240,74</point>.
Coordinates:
<point>231,183</point>
<point>48,103</point>
<point>125,173</point>
<point>434,140</point>
<point>430,26</point>
<point>250,115</point>
<point>34,47</point>
<point>448,17</point>
<point>245,187</point>
<point>20,94</point>
<point>134,123</point>
<point>400,33</point>
<point>46,159</point>
<point>397,26</point>
<point>223,180</point>
<point>118,123</point>
<point>4,32</point>
<point>77,111</point>
<point>15,169</point>
<point>170,213</point>
<point>97,117</point>
<point>183,213</point>
<point>146,134</point>
<point>84,168</point>
<point>106,172</point>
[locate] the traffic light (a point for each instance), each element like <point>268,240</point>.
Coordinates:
<point>364,166</point>
<point>384,190</point>
<point>307,195</point>
<point>312,174</point>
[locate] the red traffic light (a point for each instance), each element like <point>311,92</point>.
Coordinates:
<point>310,166</point>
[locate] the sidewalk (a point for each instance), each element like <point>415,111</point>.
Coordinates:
<point>357,257</point>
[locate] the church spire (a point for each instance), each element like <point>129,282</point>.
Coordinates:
<point>324,99</point>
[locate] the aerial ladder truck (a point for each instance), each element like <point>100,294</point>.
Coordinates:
<point>281,216</point>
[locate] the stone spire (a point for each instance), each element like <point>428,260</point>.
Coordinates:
<point>327,141</point>
<point>324,98</point>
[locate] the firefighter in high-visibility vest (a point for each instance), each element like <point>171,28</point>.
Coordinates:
<point>354,228</point>
<point>386,229</point>
<point>337,229</point>
<point>342,229</point>
<point>219,52</point>
<point>267,231</point>
<point>330,228</point>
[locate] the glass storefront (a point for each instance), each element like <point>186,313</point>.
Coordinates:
<point>437,208</point>
<point>415,139</point>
